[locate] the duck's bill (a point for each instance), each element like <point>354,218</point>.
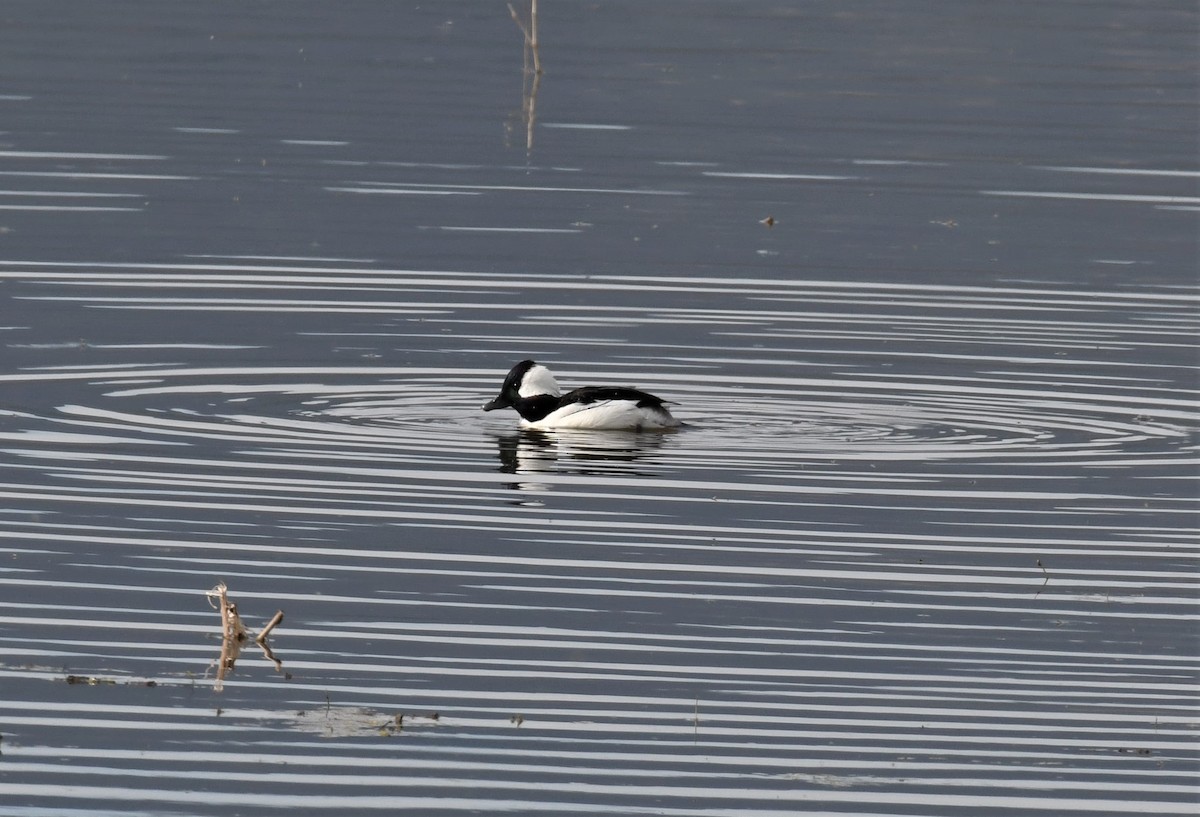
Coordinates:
<point>498,403</point>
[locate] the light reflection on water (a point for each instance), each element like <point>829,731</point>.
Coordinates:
<point>829,574</point>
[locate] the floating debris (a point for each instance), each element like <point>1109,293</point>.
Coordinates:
<point>90,680</point>
<point>343,722</point>
<point>101,681</point>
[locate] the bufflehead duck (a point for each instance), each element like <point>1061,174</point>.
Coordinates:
<point>533,392</point>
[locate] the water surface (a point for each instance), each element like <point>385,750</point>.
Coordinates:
<point>922,285</point>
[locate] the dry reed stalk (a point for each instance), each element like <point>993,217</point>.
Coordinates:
<point>234,635</point>
<point>531,34</point>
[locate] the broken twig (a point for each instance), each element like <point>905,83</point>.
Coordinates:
<point>234,634</point>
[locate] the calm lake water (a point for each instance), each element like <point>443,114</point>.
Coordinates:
<point>920,277</point>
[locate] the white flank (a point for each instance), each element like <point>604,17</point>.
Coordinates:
<point>609,415</point>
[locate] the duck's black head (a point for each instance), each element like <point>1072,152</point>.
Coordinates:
<point>510,392</point>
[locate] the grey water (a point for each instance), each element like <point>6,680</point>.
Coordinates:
<point>919,277</point>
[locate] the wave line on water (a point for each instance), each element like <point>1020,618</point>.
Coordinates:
<point>452,229</point>
<point>1123,171</point>
<point>81,174</point>
<point>34,154</point>
<point>520,188</point>
<point>69,208</point>
<point>776,176</point>
<point>68,194</point>
<point>1124,197</point>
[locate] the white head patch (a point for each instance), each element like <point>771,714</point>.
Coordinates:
<point>538,380</point>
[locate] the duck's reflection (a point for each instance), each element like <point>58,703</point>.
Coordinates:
<point>532,452</point>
